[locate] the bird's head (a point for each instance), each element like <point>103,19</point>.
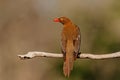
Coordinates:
<point>62,20</point>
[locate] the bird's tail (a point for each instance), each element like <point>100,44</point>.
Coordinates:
<point>68,64</point>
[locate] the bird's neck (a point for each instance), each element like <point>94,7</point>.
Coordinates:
<point>68,25</point>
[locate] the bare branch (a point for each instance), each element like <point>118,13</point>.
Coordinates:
<point>33,54</point>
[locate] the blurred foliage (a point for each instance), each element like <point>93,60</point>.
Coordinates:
<point>26,25</point>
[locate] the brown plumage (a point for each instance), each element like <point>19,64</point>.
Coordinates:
<point>70,40</point>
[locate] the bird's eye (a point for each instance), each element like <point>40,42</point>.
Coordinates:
<point>61,19</point>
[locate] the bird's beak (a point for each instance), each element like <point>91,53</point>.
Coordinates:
<point>56,20</point>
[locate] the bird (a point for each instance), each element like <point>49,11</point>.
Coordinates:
<point>70,43</point>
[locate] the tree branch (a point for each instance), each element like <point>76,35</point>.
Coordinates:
<point>34,54</point>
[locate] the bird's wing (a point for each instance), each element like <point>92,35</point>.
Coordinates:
<point>77,41</point>
<point>63,44</point>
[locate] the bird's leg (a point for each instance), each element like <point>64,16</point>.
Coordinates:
<point>75,55</point>
<point>78,55</point>
<point>64,55</point>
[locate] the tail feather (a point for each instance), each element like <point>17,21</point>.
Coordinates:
<point>68,66</point>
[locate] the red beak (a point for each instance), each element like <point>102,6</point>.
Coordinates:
<point>56,20</point>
